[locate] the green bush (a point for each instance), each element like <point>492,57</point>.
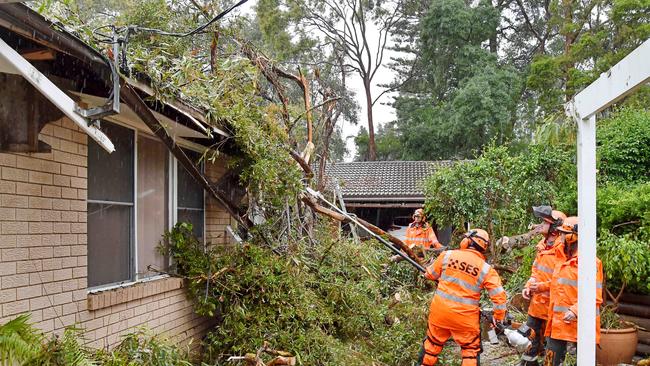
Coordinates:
<point>626,261</point>
<point>624,146</point>
<point>22,344</point>
<point>497,190</point>
<point>326,306</point>
<point>624,208</point>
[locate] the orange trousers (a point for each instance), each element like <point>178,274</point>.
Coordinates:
<point>468,340</point>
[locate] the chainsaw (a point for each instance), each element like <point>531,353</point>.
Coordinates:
<point>519,338</point>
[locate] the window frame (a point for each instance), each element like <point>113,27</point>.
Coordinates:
<point>174,200</point>
<point>172,206</point>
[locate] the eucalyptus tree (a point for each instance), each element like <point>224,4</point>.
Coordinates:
<point>360,30</point>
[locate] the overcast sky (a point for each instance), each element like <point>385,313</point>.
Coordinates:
<point>382,113</point>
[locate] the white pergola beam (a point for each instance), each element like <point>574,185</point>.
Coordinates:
<point>12,61</point>
<point>619,81</point>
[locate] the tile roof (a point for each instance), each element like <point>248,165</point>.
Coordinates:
<point>383,180</point>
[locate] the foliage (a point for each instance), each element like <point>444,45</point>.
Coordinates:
<point>497,190</point>
<point>624,208</point>
<point>19,342</point>
<point>22,344</point>
<point>524,258</point>
<point>626,261</point>
<point>141,348</point>
<point>469,97</point>
<point>624,146</point>
<point>515,62</point>
<point>609,319</point>
<point>65,351</point>
<point>321,303</point>
<point>387,143</point>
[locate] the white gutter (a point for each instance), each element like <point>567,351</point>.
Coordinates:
<point>13,62</point>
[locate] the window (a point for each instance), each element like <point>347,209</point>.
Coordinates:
<point>110,208</point>
<point>130,202</point>
<point>153,204</point>
<point>190,196</point>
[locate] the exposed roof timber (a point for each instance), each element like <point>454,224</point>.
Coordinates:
<point>621,80</point>
<point>52,93</point>
<point>44,54</point>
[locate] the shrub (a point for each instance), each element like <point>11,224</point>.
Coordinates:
<point>624,146</point>
<point>624,207</point>
<point>497,190</point>
<point>325,302</point>
<point>22,344</point>
<point>626,261</point>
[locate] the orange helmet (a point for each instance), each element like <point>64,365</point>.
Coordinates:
<point>570,228</point>
<point>420,212</point>
<point>558,215</point>
<point>479,237</point>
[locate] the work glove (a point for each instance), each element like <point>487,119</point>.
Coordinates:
<point>497,324</point>
<point>569,316</point>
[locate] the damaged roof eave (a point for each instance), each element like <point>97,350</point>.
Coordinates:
<point>22,20</point>
<point>192,113</point>
<point>11,60</point>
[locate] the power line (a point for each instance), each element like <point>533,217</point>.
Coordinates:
<point>192,32</point>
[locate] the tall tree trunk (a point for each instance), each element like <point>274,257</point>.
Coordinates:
<point>569,38</point>
<point>372,152</point>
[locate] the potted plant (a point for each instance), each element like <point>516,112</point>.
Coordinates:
<point>618,339</point>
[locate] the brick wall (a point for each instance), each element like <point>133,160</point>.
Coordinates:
<point>43,251</point>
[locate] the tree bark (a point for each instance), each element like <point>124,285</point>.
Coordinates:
<point>372,152</point>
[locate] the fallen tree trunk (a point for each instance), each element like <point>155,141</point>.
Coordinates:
<point>311,202</point>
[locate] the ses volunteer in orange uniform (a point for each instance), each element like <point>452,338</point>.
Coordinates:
<point>562,316</point>
<point>461,275</point>
<point>420,233</point>
<point>550,252</point>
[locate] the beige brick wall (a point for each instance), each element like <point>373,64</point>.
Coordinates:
<point>43,251</point>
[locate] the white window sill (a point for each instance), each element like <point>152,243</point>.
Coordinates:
<point>100,298</point>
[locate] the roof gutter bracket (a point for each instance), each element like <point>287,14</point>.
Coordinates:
<point>112,105</point>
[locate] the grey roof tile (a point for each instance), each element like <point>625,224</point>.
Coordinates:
<point>382,179</point>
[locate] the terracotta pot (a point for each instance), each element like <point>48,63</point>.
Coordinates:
<point>616,346</point>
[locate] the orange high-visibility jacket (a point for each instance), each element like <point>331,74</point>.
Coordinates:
<point>542,272</point>
<point>541,245</point>
<point>461,275</point>
<point>421,235</point>
<point>564,296</point>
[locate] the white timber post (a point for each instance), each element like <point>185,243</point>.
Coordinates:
<point>624,78</point>
<point>587,241</point>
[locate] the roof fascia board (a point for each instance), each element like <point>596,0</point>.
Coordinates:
<point>52,93</point>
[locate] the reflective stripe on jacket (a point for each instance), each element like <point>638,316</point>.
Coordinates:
<point>461,275</point>
<point>564,296</point>
<point>421,235</point>
<point>541,273</point>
